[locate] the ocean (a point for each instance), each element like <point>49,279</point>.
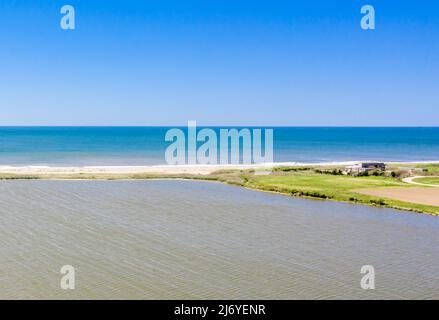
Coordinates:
<point>79,146</point>
<point>205,240</point>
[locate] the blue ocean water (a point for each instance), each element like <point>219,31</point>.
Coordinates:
<point>77,146</point>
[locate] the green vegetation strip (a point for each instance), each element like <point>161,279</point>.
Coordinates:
<point>431,168</point>
<point>335,187</point>
<point>304,182</point>
<point>434,181</point>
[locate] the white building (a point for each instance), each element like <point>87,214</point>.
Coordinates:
<point>365,166</point>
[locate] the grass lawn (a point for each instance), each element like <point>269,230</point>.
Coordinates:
<point>427,180</point>
<point>307,183</point>
<point>431,167</point>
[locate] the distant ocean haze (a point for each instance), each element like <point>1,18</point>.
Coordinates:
<point>80,146</point>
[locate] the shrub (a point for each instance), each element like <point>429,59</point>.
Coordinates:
<point>400,174</point>
<point>293,169</point>
<point>379,202</point>
<point>335,172</point>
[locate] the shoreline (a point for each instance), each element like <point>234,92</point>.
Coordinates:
<point>198,169</point>
<point>319,181</point>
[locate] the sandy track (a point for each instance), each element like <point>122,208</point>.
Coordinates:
<point>426,196</point>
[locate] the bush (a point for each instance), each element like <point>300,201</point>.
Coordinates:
<point>334,172</point>
<point>293,169</point>
<point>400,174</point>
<point>379,202</point>
<point>363,174</point>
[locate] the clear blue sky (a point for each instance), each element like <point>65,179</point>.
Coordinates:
<point>236,62</point>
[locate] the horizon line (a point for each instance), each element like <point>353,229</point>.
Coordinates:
<point>218,126</point>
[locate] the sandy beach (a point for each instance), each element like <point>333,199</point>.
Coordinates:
<point>158,169</point>
<point>165,169</point>
<point>169,169</point>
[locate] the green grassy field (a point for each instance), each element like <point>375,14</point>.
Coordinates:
<point>333,187</point>
<point>432,168</point>
<point>434,181</point>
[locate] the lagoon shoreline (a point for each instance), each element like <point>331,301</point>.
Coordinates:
<point>322,181</point>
